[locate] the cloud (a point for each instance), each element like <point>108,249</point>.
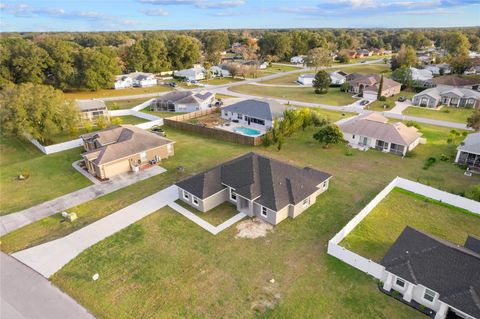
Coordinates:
<point>204,4</point>
<point>155,12</point>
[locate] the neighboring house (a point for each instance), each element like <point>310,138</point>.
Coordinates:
<point>306,79</point>
<point>364,53</point>
<point>438,274</point>
<point>368,86</point>
<point>135,79</point>
<point>468,152</point>
<point>122,149</point>
<point>299,59</point>
<point>183,101</point>
<point>354,76</point>
<point>91,110</point>
<point>258,186</point>
<point>219,71</point>
<point>192,74</point>
<point>373,131</point>
<point>436,69</point>
<point>447,95</point>
<point>453,80</point>
<point>338,77</point>
<point>255,113</point>
<point>421,75</point>
<point>263,65</point>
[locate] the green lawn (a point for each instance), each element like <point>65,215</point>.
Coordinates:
<point>390,102</point>
<point>332,116</point>
<point>125,104</point>
<point>223,96</point>
<point>166,266</point>
<point>220,81</point>
<point>451,114</point>
<point>362,69</point>
<point>50,175</point>
<point>162,114</point>
<point>111,92</point>
<point>333,97</point>
<point>378,231</point>
<point>215,216</point>
<point>68,136</point>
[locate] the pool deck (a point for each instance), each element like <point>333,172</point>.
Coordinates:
<point>233,126</point>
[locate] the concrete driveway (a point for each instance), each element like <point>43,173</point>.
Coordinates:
<point>25,294</point>
<point>50,257</point>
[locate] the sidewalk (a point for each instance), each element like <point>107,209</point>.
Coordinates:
<point>11,222</point>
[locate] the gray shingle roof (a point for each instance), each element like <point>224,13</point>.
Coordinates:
<point>261,109</point>
<point>451,270</point>
<point>87,105</point>
<point>185,97</point>
<point>271,183</point>
<point>471,144</point>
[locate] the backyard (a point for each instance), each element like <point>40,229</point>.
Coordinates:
<point>303,94</point>
<point>214,216</point>
<point>378,231</point>
<point>451,114</point>
<point>111,92</point>
<point>187,272</point>
<point>125,104</point>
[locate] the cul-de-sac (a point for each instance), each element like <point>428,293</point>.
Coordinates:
<point>239,159</point>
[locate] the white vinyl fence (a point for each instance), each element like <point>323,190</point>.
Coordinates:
<point>368,266</point>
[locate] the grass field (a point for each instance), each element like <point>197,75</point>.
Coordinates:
<point>390,102</point>
<point>165,266</point>
<point>215,216</point>
<point>161,114</point>
<point>333,97</point>
<point>125,104</point>
<point>50,175</point>
<point>111,92</point>
<point>362,69</point>
<point>378,231</point>
<point>451,114</point>
<point>221,81</point>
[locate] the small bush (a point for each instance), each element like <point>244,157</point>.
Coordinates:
<point>382,98</point>
<point>348,152</point>
<point>446,111</point>
<point>444,158</point>
<point>414,124</point>
<point>429,162</point>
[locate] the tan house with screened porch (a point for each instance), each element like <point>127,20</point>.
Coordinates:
<point>123,148</point>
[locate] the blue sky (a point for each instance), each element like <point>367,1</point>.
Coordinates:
<point>99,15</point>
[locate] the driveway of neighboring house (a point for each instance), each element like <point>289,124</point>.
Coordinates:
<point>400,106</point>
<point>50,257</point>
<point>25,294</point>
<point>22,218</point>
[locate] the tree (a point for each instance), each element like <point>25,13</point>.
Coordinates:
<point>474,120</point>
<point>215,42</point>
<point>321,82</point>
<point>329,134</point>
<point>343,56</point>
<point>234,69</point>
<point>97,68</point>
<point>403,75</point>
<point>36,110</point>
<point>319,57</point>
<point>380,88</point>
<point>183,51</point>
<point>460,64</point>
<point>156,53</point>
<point>136,57</point>
<point>406,57</point>
<point>457,44</point>
<point>61,71</point>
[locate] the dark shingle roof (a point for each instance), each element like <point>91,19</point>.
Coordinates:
<point>271,183</point>
<point>453,80</point>
<point>451,270</point>
<point>261,109</point>
<point>185,97</point>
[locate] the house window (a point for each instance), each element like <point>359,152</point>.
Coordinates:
<point>429,295</point>
<point>195,200</point>
<point>400,283</point>
<point>306,202</point>
<point>353,136</point>
<point>264,211</point>
<point>185,195</point>
<point>239,116</point>
<point>233,195</point>
<point>324,184</point>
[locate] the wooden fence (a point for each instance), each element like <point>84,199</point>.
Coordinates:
<point>178,123</point>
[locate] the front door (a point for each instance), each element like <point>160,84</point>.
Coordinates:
<point>364,141</point>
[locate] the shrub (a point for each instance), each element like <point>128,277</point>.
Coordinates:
<point>446,111</point>
<point>88,126</point>
<point>444,158</point>
<point>116,120</point>
<point>382,98</point>
<point>473,192</point>
<point>429,162</point>
<point>348,152</point>
<point>414,124</point>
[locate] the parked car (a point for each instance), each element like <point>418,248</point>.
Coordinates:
<point>173,84</point>
<point>402,99</point>
<point>158,130</point>
<point>364,102</point>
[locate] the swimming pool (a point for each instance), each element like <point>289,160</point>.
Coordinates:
<point>247,131</point>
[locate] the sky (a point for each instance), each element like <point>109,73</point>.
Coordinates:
<point>110,15</point>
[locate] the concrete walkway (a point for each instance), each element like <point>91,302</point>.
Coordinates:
<point>400,107</point>
<point>22,218</point>
<point>50,257</point>
<point>204,224</point>
<point>25,294</point>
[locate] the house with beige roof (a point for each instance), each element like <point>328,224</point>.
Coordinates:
<point>122,149</point>
<point>373,131</point>
<point>368,86</point>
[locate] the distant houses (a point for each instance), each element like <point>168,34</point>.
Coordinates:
<point>135,79</point>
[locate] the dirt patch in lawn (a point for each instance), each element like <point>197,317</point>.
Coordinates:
<point>253,228</point>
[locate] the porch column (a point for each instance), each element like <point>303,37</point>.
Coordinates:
<point>442,312</point>
<point>387,285</point>
<point>407,296</point>
<point>458,104</point>
<point>457,157</point>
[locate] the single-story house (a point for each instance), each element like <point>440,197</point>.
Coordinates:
<point>421,75</point>
<point>135,79</point>
<point>91,110</point>
<point>298,59</point>
<point>258,186</point>
<point>468,152</point>
<point>306,79</point>
<point>368,86</point>
<point>364,53</point>
<point>121,149</point>
<point>447,95</point>
<point>192,74</point>
<point>373,131</point>
<point>338,77</point>
<point>263,65</point>
<point>438,274</point>
<point>183,101</point>
<point>453,80</point>
<point>258,114</point>
<point>219,71</point>
<point>436,69</point>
